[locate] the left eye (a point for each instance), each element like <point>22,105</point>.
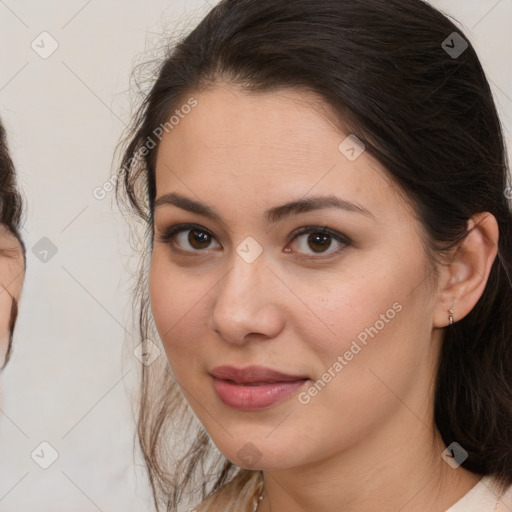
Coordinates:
<point>319,238</point>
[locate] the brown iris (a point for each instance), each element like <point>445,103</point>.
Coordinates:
<point>318,238</point>
<point>200,238</point>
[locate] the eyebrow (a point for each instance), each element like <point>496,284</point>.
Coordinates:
<point>274,214</point>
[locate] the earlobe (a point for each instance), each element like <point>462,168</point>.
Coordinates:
<point>465,277</point>
<point>7,311</point>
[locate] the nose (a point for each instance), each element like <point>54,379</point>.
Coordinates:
<point>246,305</point>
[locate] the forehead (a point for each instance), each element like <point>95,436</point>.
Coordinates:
<point>264,147</point>
<point>227,119</point>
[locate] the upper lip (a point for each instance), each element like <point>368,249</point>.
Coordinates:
<point>252,374</point>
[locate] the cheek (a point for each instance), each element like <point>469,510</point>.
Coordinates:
<point>368,316</point>
<point>177,304</point>
<point>380,343</point>
<point>348,310</point>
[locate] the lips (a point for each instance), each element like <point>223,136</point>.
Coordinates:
<point>253,375</point>
<point>254,387</point>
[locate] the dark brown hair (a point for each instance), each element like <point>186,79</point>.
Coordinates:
<point>11,211</point>
<point>388,69</point>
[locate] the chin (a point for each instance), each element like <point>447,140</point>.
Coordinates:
<point>254,450</point>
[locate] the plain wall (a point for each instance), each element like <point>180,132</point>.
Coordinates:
<point>69,382</point>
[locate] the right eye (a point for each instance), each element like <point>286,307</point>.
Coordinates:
<point>196,237</point>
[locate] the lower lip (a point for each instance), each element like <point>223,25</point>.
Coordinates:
<point>250,398</point>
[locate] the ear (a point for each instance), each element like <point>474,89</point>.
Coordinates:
<point>12,273</point>
<point>462,281</point>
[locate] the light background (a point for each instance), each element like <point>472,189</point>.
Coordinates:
<point>70,382</point>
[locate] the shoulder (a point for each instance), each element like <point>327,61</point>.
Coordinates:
<point>489,494</point>
<point>235,496</point>
<point>505,503</point>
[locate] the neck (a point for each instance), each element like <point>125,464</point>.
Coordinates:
<point>408,475</point>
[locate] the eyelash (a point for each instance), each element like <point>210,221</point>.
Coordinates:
<point>170,233</point>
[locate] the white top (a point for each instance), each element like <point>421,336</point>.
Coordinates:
<point>483,497</point>
<point>243,496</point>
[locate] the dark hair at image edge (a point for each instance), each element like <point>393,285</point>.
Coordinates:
<point>11,211</point>
<point>430,119</point>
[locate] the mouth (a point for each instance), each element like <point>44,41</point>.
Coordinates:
<point>255,383</point>
<point>254,387</point>
<point>253,375</point>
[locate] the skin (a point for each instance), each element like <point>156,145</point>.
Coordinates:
<point>12,274</point>
<point>351,445</point>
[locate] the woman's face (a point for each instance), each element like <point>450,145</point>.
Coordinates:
<point>350,309</point>
<point>11,279</point>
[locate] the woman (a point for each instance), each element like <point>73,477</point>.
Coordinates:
<point>330,245</point>
<point>12,250</point>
